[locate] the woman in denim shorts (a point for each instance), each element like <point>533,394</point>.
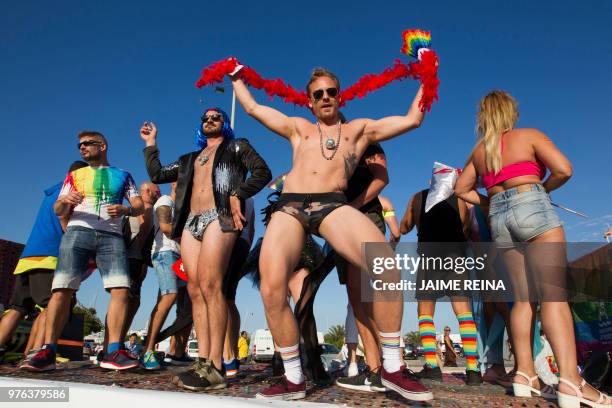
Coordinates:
<point>512,164</point>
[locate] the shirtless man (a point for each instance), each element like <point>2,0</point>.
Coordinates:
<point>325,154</point>
<point>210,194</point>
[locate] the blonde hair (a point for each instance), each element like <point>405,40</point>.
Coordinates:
<point>497,114</point>
<point>321,72</point>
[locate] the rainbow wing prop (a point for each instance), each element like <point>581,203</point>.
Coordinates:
<point>277,183</point>
<point>414,40</point>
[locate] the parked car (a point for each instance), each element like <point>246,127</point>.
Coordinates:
<point>410,352</point>
<point>192,348</point>
<point>330,356</point>
<point>261,347</point>
<point>88,348</point>
<point>420,351</point>
<point>458,349</point>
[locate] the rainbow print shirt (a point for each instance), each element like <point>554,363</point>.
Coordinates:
<point>101,186</point>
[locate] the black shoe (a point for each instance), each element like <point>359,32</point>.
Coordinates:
<point>366,381</point>
<point>197,363</point>
<point>473,378</point>
<point>215,377</point>
<point>430,373</point>
<point>2,353</point>
<point>194,379</point>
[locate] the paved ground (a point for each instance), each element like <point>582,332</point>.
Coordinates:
<point>451,393</point>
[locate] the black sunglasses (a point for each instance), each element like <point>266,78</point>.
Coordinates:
<point>331,92</point>
<point>215,118</point>
<point>88,143</point>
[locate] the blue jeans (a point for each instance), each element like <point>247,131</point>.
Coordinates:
<point>162,263</point>
<point>79,245</point>
<point>520,217</point>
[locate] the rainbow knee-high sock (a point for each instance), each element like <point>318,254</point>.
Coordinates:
<point>427,329</point>
<point>467,330</point>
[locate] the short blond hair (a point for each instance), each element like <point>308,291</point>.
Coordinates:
<point>321,72</point>
<point>497,114</point>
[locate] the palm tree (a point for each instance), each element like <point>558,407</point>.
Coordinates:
<point>335,335</point>
<point>413,337</point>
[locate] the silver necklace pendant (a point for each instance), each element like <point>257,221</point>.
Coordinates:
<point>330,144</point>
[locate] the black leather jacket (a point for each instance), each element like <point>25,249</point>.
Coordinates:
<point>233,160</point>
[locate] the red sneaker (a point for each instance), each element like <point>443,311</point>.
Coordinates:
<point>284,390</point>
<point>405,383</point>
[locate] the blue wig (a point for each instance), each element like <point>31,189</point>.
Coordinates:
<point>226,131</point>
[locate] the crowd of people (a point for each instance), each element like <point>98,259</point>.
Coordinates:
<point>332,191</point>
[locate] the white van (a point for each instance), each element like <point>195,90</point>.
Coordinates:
<point>261,347</point>
<point>192,348</point>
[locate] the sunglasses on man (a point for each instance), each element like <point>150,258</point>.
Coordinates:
<point>331,92</point>
<point>215,118</point>
<point>88,143</point>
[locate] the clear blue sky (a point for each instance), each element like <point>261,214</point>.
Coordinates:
<point>70,65</point>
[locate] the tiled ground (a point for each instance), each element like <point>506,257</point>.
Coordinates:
<point>452,393</point>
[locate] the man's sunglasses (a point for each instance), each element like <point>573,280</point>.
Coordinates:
<point>331,92</point>
<point>87,143</point>
<point>215,118</point>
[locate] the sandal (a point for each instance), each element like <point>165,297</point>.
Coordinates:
<point>574,401</point>
<point>527,390</point>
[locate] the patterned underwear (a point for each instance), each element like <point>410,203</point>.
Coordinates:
<point>198,222</point>
<point>309,209</point>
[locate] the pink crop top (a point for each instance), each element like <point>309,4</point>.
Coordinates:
<point>526,168</point>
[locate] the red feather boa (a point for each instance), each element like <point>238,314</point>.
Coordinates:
<point>425,70</point>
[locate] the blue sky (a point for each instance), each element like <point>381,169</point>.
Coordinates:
<point>68,66</point>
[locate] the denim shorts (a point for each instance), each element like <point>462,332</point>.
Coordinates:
<point>79,245</point>
<point>520,217</point>
<point>162,263</point>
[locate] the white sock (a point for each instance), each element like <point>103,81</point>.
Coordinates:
<point>390,343</point>
<point>291,361</point>
<point>353,370</point>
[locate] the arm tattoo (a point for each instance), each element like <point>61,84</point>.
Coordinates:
<point>164,214</point>
<point>350,163</point>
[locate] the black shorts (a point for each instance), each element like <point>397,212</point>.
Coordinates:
<point>32,288</point>
<point>440,282</point>
<point>309,209</point>
<point>235,270</point>
<point>138,273</point>
<point>341,263</point>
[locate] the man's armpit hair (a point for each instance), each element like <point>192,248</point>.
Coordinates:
<point>350,163</point>
<point>164,214</point>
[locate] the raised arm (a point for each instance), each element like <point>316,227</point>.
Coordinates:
<point>391,126</point>
<point>555,161</point>
<point>274,120</point>
<point>157,173</point>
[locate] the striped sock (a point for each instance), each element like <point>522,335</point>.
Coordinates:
<point>467,330</point>
<point>291,361</point>
<point>390,343</point>
<point>427,329</point>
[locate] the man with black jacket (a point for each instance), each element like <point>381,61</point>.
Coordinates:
<point>210,194</point>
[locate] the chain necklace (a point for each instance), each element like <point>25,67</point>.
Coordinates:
<point>330,144</point>
<point>205,156</point>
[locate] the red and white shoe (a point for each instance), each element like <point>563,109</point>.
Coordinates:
<point>405,383</point>
<point>118,360</point>
<point>284,390</point>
